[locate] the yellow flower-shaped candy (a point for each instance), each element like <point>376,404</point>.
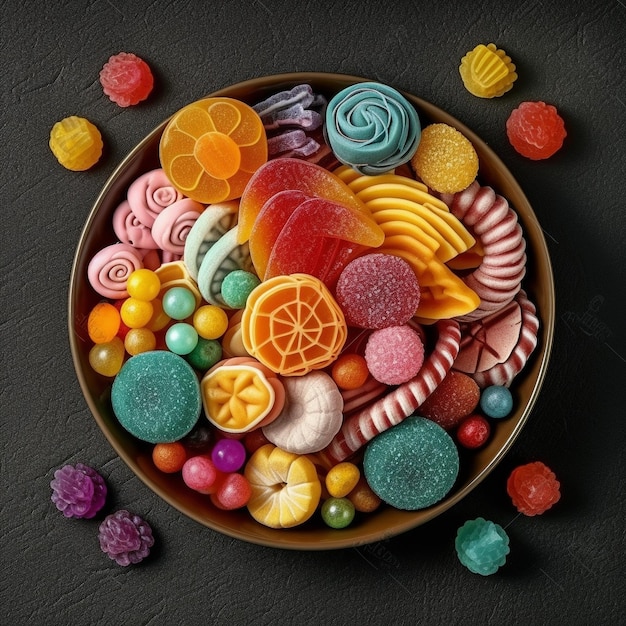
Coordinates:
<point>76,143</point>
<point>210,149</point>
<point>487,72</point>
<point>237,397</point>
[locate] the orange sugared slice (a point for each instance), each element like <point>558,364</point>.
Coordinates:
<point>210,149</point>
<point>292,324</point>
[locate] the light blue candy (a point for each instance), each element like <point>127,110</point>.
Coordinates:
<point>372,127</point>
<point>156,396</point>
<point>496,401</point>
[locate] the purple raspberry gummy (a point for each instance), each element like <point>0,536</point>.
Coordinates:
<point>125,537</point>
<point>78,492</point>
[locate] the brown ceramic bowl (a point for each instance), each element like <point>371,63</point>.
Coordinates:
<point>314,535</point>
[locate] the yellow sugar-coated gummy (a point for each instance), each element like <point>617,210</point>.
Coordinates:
<point>292,324</point>
<point>487,72</point>
<point>445,159</point>
<point>285,487</point>
<point>76,143</point>
<point>342,479</point>
<point>236,398</point>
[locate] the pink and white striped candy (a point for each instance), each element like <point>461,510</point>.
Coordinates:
<point>364,425</point>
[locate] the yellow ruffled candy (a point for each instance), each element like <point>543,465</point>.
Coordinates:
<point>487,72</point>
<point>76,143</point>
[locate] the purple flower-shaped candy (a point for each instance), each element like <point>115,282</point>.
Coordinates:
<point>125,537</point>
<point>79,491</point>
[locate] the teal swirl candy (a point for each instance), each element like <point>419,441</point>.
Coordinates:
<point>372,127</point>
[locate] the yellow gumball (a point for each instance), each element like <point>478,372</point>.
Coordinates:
<point>136,313</point>
<point>210,321</point>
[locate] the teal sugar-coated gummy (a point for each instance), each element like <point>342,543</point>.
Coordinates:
<point>237,286</point>
<point>156,396</point>
<point>496,401</point>
<point>412,465</point>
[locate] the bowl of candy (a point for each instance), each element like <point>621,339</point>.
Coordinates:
<point>310,311</point>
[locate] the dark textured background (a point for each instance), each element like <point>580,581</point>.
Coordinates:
<point>565,567</point>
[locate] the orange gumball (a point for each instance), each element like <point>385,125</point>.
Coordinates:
<point>350,371</point>
<point>169,457</point>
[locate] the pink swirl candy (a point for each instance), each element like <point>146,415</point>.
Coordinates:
<point>130,229</point>
<point>109,269</point>
<point>149,194</point>
<point>172,225</point>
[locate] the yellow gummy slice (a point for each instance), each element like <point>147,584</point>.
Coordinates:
<point>487,72</point>
<point>285,487</point>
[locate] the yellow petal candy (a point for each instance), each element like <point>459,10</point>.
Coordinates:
<point>76,143</point>
<point>487,72</point>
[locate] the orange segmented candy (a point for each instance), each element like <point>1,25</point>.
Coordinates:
<point>210,149</point>
<point>239,395</point>
<point>293,325</point>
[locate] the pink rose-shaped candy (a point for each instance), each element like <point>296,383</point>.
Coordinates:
<point>172,225</point>
<point>126,79</point>
<point>149,194</point>
<point>129,229</point>
<point>109,269</point>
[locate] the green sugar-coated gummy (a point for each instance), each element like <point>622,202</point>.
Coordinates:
<point>412,465</point>
<point>156,396</point>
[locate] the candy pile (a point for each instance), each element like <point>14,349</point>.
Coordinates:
<point>80,492</point>
<point>301,292</point>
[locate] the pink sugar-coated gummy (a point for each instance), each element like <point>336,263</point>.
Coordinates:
<point>200,474</point>
<point>394,355</point>
<point>126,79</point>
<point>378,290</point>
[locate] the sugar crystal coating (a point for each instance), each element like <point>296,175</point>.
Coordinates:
<point>533,488</point>
<point>126,79</point>
<point>78,491</point>
<point>412,465</point>
<point>445,159</point>
<point>482,546</point>
<point>496,401</point>
<point>394,355</point>
<point>378,290</point>
<point>126,538</point>
<point>156,396</point>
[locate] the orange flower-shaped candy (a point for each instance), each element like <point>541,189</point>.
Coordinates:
<point>293,325</point>
<point>240,394</point>
<point>210,149</point>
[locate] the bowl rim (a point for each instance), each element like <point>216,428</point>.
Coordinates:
<point>328,538</point>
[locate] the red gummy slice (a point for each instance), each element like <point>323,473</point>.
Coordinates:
<point>126,79</point>
<point>533,488</point>
<point>535,130</point>
<point>454,398</point>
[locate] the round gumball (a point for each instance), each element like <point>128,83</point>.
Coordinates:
<point>350,371</point>
<point>107,358</point>
<point>143,284</point>
<point>210,321</point>
<point>138,340</point>
<point>233,492</point>
<point>205,355</point>
<point>228,455</point>
<point>103,322</point>
<point>338,512</point>
<point>237,286</point>
<point>200,474</point>
<point>136,313</point>
<point>169,457</point>
<point>473,432</point>
<point>496,401</point>
<point>181,338</point>
<point>179,303</point>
